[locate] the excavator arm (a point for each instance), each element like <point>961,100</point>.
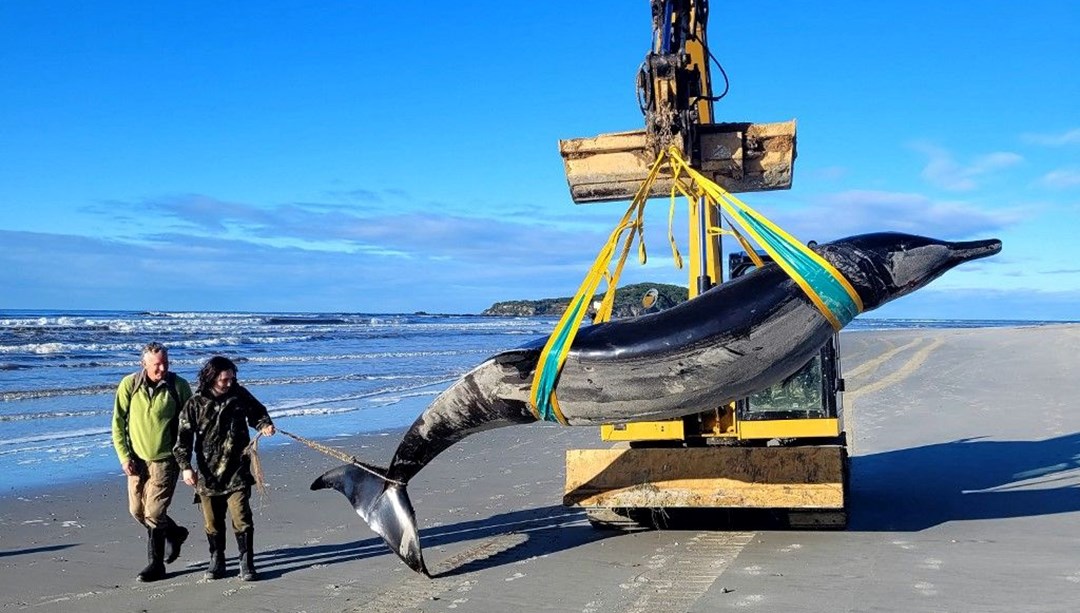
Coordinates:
<point>676,98</point>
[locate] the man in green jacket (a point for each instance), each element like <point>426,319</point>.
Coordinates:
<point>144,427</point>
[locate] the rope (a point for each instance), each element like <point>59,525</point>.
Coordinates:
<point>252,452</point>
<point>344,457</point>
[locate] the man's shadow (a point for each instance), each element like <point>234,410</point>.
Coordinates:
<point>917,488</point>
<point>33,550</point>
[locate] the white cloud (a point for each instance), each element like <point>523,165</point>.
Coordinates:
<point>859,211</point>
<point>942,169</point>
<point>1061,179</point>
<point>1070,137</point>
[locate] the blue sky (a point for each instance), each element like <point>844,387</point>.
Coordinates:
<point>352,156</point>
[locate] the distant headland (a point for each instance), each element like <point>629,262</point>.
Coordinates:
<point>628,302</point>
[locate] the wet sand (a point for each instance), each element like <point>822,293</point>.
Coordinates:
<point>965,497</point>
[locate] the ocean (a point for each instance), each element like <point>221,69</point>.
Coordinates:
<point>321,375</point>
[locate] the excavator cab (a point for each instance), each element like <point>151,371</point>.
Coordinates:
<point>814,392</point>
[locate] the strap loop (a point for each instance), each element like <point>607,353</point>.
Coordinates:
<point>822,283</point>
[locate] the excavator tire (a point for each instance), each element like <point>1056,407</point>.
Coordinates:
<point>623,520</point>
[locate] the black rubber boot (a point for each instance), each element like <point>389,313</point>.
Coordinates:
<point>155,553</point>
<point>174,538</point>
<point>216,568</point>
<point>244,541</point>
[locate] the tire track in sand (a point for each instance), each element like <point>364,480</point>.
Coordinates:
<point>874,364</point>
<point>677,580</point>
<point>676,577</point>
<point>906,370</point>
<point>871,366</point>
<point>416,590</point>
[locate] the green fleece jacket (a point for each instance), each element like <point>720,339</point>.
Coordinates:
<point>144,417</point>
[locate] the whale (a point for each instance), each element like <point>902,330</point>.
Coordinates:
<point>735,339</point>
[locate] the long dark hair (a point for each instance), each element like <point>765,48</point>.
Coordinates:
<point>210,371</point>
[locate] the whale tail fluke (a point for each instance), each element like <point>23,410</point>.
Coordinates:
<point>383,504</point>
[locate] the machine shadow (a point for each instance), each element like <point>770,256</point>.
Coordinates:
<point>543,530</point>
<point>901,490</point>
<point>917,488</point>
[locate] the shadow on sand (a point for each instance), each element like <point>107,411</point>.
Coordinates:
<point>902,490</point>
<point>29,550</point>
<point>539,531</point>
<point>908,490</point>
<point>914,489</point>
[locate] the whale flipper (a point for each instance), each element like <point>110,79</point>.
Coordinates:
<point>384,505</point>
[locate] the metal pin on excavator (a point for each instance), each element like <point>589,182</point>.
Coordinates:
<point>782,449</point>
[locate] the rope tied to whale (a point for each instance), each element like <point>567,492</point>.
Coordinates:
<point>823,284</point>
<point>256,468</point>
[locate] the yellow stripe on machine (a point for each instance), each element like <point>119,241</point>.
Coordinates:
<point>789,428</point>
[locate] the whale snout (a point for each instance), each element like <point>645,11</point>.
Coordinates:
<point>972,250</point>
<point>901,263</point>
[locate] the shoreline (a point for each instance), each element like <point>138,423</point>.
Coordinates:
<point>73,481</point>
<point>36,456</point>
<point>963,498</point>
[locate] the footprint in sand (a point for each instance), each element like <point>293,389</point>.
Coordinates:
<point>926,588</point>
<point>932,564</point>
<point>750,601</point>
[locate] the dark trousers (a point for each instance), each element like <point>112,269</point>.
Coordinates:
<point>238,505</point>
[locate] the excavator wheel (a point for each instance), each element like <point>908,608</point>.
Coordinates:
<point>817,520</point>
<point>624,520</point>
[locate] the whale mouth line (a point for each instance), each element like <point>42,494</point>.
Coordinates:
<point>972,250</point>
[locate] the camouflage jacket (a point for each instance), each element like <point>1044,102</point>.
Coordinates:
<point>216,428</point>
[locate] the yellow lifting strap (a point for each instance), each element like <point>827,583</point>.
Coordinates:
<point>543,403</point>
<point>823,284</point>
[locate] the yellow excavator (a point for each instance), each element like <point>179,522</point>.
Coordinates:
<point>783,449</point>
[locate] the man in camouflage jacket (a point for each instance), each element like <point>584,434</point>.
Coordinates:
<point>214,424</point>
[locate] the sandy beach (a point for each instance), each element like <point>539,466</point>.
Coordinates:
<point>965,497</point>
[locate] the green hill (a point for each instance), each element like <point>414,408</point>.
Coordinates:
<point>627,302</point>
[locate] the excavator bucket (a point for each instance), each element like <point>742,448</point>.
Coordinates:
<point>741,157</point>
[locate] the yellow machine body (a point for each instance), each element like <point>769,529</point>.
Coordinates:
<point>721,457</point>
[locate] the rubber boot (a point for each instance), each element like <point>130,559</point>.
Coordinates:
<point>216,568</point>
<point>155,553</point>
<point>244,541</point>
<point>174,538</point>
